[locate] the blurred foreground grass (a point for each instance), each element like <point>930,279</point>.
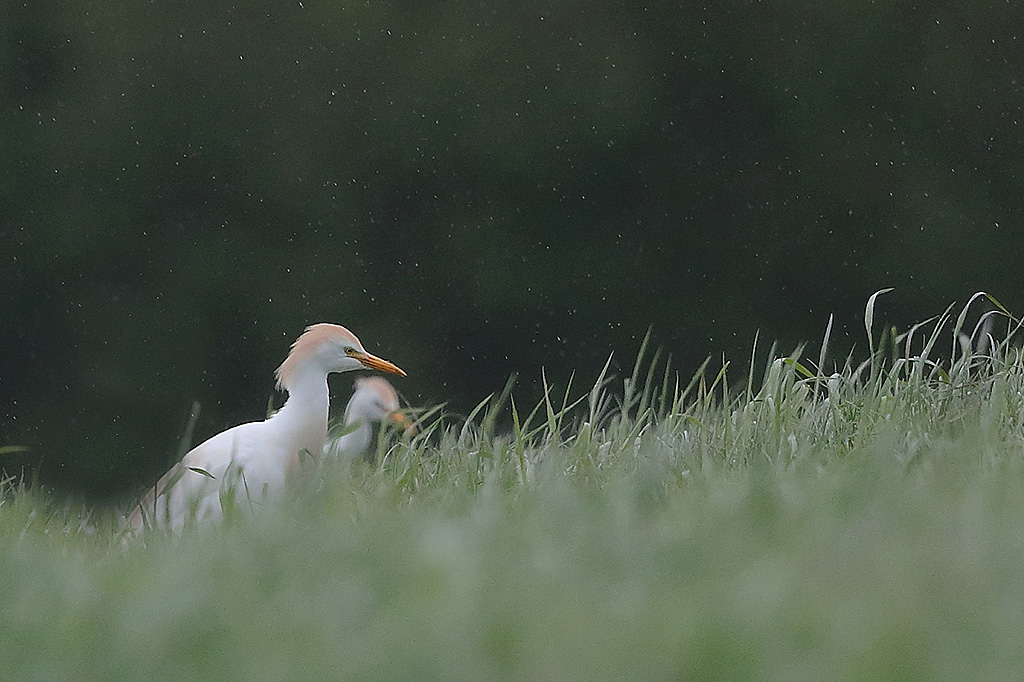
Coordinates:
<point>862,524</point>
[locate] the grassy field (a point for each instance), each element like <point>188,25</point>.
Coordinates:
<point>861,522</point>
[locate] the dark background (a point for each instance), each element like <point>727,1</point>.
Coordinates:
<point>474,188</point>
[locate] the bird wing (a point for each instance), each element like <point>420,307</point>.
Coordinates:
<point>196,476</point>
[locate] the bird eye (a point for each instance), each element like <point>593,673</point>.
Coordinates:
<point>349,350</point>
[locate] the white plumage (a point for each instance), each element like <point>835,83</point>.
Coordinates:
<point>373,401</point>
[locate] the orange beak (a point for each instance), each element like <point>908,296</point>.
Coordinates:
<point>373,362</point>
<point>402,420</point>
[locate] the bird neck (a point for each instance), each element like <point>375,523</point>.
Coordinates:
<point>354,411</point>
<point>355,442</point>
<point>303,417</point>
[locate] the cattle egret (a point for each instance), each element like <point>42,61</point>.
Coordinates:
<point>251,461</point>
<point>373,400</point>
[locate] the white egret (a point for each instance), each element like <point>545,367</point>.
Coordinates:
<point>252,461</point>
<point>373,401</point>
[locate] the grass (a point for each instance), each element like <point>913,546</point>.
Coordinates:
<point>860,523</point>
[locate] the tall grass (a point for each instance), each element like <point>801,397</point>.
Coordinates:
<point>815,519</point>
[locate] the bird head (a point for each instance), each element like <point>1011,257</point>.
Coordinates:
<point>329,348</point>
<point>374,399</point>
